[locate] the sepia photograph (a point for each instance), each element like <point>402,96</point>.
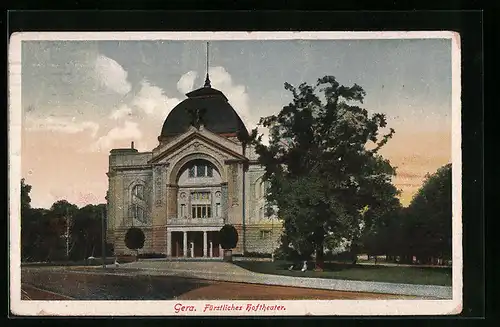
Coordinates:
<point>231,173</point>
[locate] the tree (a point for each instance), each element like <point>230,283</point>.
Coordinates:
<point>134,239</point>
<point>429,217</point>
<point>86,232</point>
<point>25,196</point>
<point>322,164</point>
<point>228,239</point>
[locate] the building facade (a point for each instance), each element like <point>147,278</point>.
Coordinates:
<point>198,178</point>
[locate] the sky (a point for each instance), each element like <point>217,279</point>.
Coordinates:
<point>82,98</point>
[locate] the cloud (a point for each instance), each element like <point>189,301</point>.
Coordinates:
<point>129,131</point>
<point>122,112</point>
<point>111,75</point>
<point>186,82</point>
<point>152,100</point>
<point>236,94</point>
<point>70,126</point>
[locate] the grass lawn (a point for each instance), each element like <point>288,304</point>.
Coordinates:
<point>406,275</point>
<point>91,262</point>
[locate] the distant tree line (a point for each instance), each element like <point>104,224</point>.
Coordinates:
<point>63,232</point>
<point>423,230</point>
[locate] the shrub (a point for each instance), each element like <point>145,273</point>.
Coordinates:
<point>134,238</point>
<point>257,255</point>
<point>343,256</point>
<point>228,237</point>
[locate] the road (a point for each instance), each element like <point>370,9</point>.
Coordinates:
<point>53,284</point>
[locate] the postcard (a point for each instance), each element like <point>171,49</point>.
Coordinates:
<point>235,174</point>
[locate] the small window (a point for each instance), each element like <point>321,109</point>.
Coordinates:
<point>183,210</point>
<point>265,234</point>
<point>217,210</point>
<point>210,171</point>
<point>193,212</point>
<point>191,171</point>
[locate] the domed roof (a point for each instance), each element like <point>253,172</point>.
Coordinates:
<point>218,115</point>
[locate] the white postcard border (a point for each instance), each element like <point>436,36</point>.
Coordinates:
<point>165,308</point>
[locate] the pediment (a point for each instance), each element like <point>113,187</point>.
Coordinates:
<point>201,141</point>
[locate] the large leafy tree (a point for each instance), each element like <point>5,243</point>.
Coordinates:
<point>86,232</point>
<point>25,196</point>
<point>429,217</point>
<point>322,164</point>
<point>43,231</point>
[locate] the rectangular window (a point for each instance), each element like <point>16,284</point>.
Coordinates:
<point>203,197</point>
<point>217,210</point>
<point>183,210</point>
<point>210,171</point>
<point>265,234</point>
<point>201,211</point>
<point>193,212</point>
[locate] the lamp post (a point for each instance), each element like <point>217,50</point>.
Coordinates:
<point>67,234</point>
<point>103,238</point>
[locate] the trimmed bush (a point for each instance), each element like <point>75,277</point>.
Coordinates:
<point>134,238</point>
<point>228,237</point>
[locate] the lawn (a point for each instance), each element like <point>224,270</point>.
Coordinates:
<point>407,275</point>
<point>88,262</point>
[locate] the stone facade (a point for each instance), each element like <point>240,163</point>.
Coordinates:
<point>183,191</point>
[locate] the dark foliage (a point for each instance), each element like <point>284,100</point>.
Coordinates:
<point>134,238</point>
<point>228,237</point>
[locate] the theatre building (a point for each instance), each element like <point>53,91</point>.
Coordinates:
<point>198,178</point>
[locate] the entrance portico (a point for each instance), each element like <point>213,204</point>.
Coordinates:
<point>193,242</point>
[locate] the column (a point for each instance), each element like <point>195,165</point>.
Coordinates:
<point>211,249</point>
<point>224,203</point>
<point>185,245</point>
<point>192,249</point>
<point>204,243</point>
<point>221,252</point>
<point>169,243</point>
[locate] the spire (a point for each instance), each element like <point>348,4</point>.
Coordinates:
<point>207,79</point>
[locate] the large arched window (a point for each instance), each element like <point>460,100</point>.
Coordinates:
<point>199,194</point>
<point>138,191</point>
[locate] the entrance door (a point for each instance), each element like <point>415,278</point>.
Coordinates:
<point>177,244</point>
<point>214,238</point>
<point>196,239</point>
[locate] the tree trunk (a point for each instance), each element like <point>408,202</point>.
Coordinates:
<point>320,261</point>
<point>228,255</point>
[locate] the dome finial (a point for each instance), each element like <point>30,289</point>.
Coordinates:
<point>207,79</point>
